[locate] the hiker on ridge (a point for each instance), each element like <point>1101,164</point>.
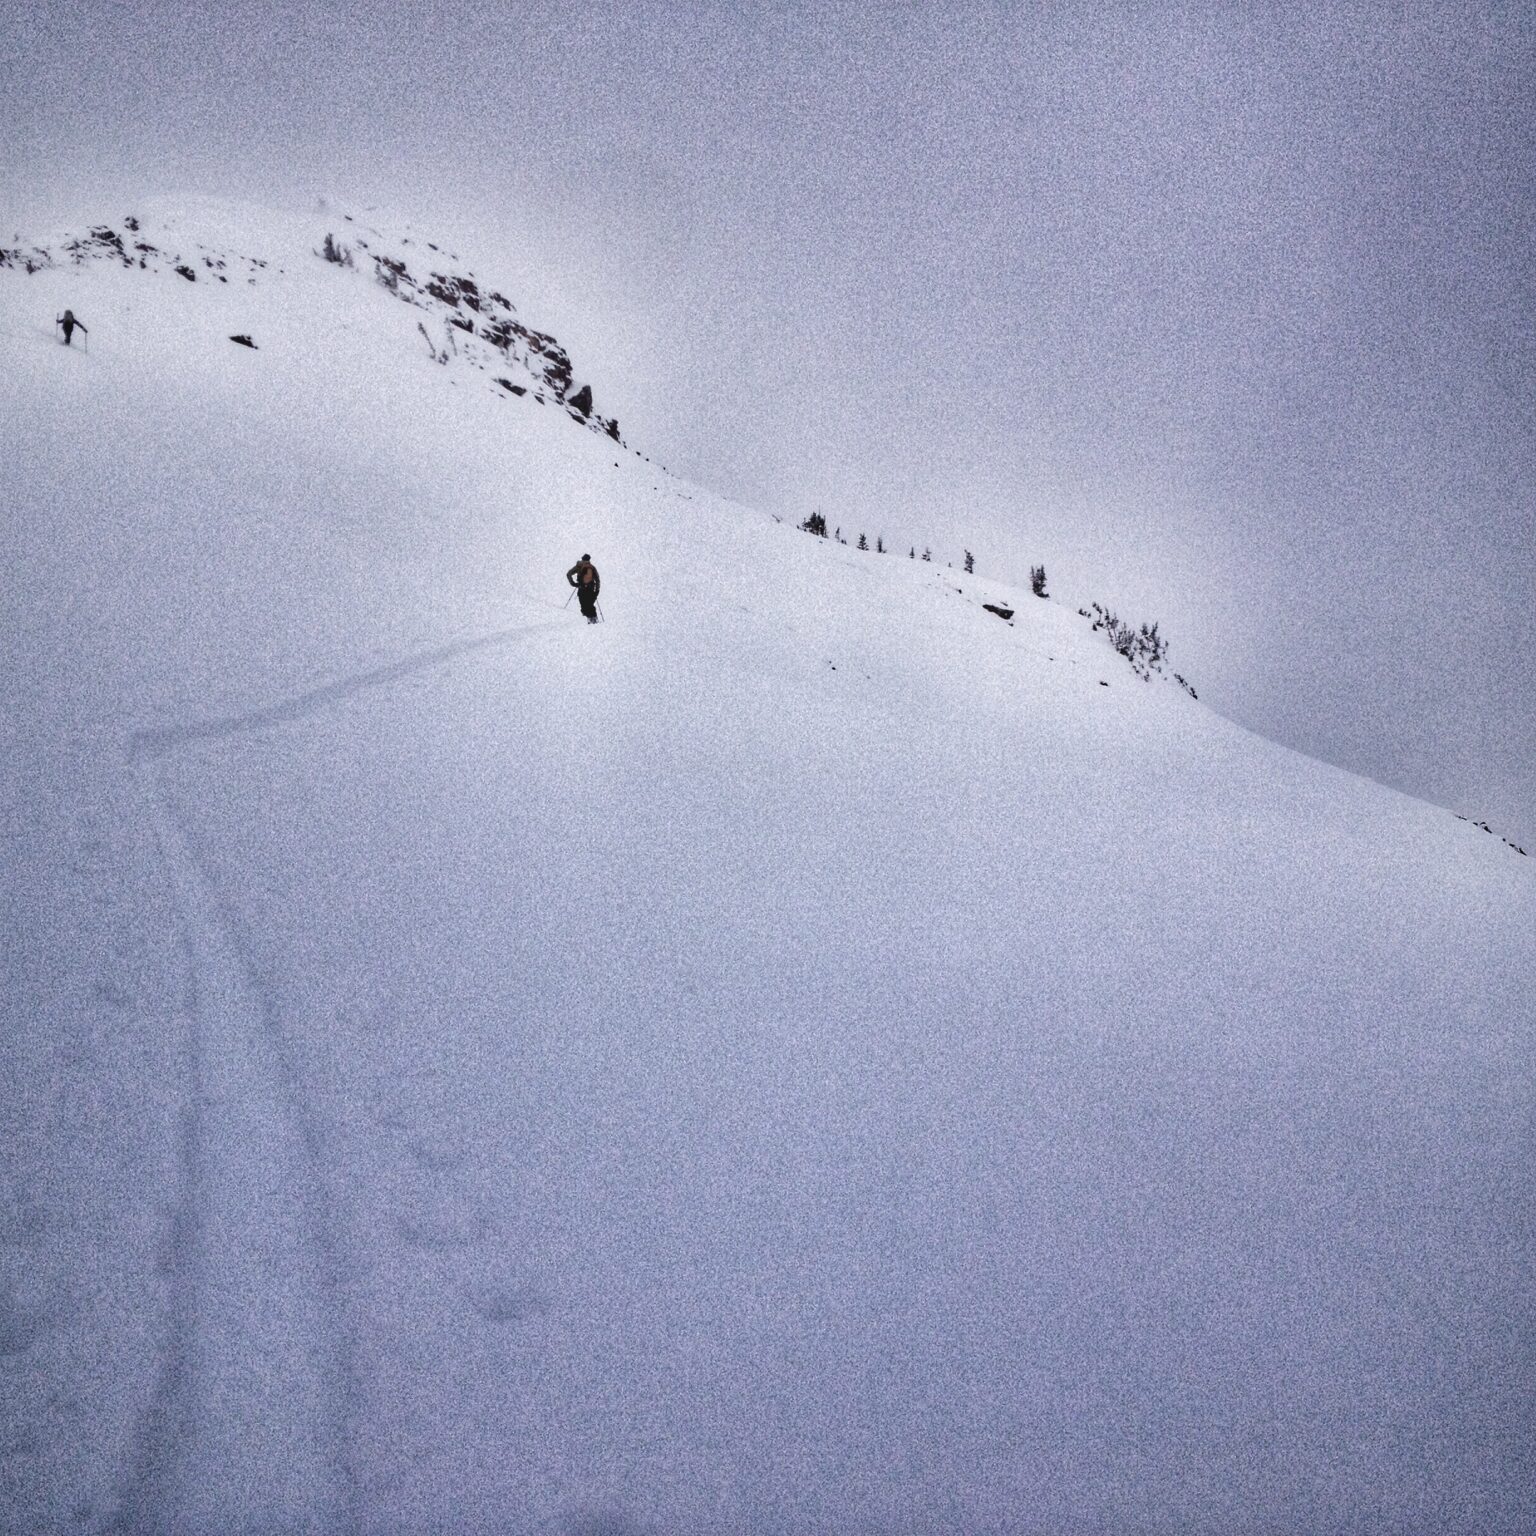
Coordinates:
<point>68,321</point>
<point>583,576</point>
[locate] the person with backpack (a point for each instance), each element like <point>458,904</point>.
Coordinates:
<point>583,576</point>
<point>68,321</point>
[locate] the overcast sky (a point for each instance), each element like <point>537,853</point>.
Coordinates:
<point>1223,313</point>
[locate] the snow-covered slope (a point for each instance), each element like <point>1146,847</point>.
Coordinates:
<point>802,1055</point>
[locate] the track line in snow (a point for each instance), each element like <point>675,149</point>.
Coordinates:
<point>168,1420</point>
<point>147,745</point>
<point>257,1392</point>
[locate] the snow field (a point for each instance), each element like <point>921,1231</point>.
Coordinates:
<point>802,1055</point>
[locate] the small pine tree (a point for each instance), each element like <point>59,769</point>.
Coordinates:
<point>335,252</point>
<point>912,553</point>
<point>1144,648</point>
<point>437,356</point>
<point>863,542</point>
<point>970,563</point>
<point>1037,581</point>
<point>927,554</point>
<point>816,524</point>
<point>879,545</point>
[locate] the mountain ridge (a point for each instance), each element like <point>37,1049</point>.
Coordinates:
<point>477,324</point>
<point>800,1054</point>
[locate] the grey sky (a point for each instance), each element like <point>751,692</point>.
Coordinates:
<point>1223,313</point>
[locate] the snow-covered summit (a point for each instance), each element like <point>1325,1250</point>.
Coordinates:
<point>806,1053</point>
<point>462,321</point>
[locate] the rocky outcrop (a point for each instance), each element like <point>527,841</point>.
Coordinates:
<point>102,243</point>
<point>467,324</point>
<point>481,324</point>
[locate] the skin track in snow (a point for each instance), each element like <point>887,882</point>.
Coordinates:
<point>257,1363</point>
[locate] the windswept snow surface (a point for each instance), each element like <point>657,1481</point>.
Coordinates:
<point>800,1056</point>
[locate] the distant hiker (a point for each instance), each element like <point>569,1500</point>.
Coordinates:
<point>68,321</point>
<point>583,576</point>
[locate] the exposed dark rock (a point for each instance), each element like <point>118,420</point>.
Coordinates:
<point>453,291</point>
<point>392,274</point>
<point>471,313</point>
<point>1002,613</point>
<point>1484,826</point>
<point>558,370</point>
<point>100,240</point>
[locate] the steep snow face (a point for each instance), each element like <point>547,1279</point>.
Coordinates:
<point>803,1054</point>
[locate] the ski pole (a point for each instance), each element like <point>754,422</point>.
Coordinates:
<point>567,603</point>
